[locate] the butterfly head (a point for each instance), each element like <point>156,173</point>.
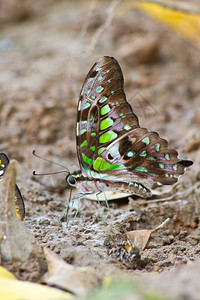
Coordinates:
<point>71,180</point>
<point>84,185</point>
<point>77,180</point>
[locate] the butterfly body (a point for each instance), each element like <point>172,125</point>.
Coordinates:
<point>114,152</point>
<point>86,185</point>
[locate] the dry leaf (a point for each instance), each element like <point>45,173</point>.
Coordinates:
<point>129,250</point>
<point>77,280</point>
<point>139,238</point>
<point>16,241</point>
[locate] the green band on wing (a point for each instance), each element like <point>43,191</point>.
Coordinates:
<point>167,157</point>
<point>87,159</point>
<point>130,154</point>
<point>122,115</point>
<point>104,110</point>
<point>107,137</point>
<point>99,89</point>
<point>101,150</point>
<point>146,140</point>
<point>161,165</point>
<point>143,153</point>
<point>83,131</point>
<point>106,123</point>
<point>141,169</point>
<point>158,147</point>
<point>104,165</point>
<point>115,166</point>
<point>92,148</point>
<point>96,163</point>
<point>86,105</point>
<point>84,143</point>
<point>127,127</point>
<point>153,174</point>
<point>151,158</point>
<point>103,99</point>
<point>93,118</point>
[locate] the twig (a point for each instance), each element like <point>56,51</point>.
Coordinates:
<point>161,225</point>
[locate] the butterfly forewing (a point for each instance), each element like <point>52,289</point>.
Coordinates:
<point>19,202</point>
<point>110,143</point>
<point>101,111</point>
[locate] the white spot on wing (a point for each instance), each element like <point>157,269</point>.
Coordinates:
<point>1,172</point>
<point>114,150</point>
<point>79,105</point>
<point>77,129</point>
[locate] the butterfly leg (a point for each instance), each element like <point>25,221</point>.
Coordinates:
<point>77,210</point>
<point>102,209</point>
<point>106,201</point>
<point>70,204</point>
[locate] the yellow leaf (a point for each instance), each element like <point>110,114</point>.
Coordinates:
<point>17,242</point>
<point>185,20</point>
<point>11,289</point>
<point>6,274</point>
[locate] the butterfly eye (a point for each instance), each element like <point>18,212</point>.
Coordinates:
<point>71,180</point>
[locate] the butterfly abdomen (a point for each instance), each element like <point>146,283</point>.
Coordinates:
<point>131,187</point>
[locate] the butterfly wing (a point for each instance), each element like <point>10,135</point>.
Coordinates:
<point>100,109</point>
<point>19,202</point>
<point>110,143</point>
<point>144,156</point>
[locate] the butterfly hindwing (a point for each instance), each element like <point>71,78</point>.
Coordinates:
<point>19,202</point>
<point>144,156</point>
<point>4,161</point>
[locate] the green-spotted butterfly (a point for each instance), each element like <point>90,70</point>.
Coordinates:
<point>114,152</point>
<point>19,202</point>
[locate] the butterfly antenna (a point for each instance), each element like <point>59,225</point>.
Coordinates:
<point>58,172</point>
<point>52,162</point>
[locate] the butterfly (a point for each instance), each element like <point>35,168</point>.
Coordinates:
<point>128,253</point>
<point>114,152</point>
<point>19,202</point>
